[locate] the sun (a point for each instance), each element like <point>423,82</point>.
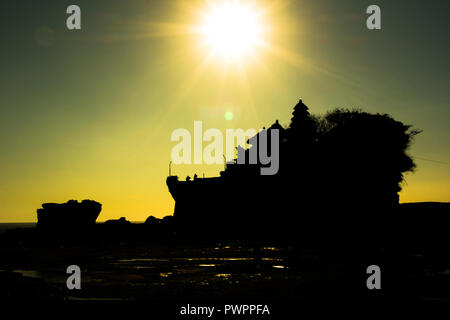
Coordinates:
<point>232,30</point>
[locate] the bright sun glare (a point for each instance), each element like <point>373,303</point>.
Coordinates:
<point>232,30</point>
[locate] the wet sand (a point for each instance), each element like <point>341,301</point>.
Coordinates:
<point>218,271</point>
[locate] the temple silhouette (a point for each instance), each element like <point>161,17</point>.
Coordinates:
<point>334,171</point>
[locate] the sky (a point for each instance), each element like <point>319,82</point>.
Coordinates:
<point>88,114</point>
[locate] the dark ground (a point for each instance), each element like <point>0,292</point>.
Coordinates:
<point>219,271</point>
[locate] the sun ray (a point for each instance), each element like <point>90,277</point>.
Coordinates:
<point>184,90</point>
<point>299,61</point>
<point>242,73</point>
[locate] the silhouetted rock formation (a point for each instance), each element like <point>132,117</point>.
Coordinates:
<point>167,221</point>
<point>151,220</point>
<point>121,221</point>
<point>68,215</point>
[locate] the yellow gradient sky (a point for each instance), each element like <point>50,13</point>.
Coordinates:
<point>88,114</point>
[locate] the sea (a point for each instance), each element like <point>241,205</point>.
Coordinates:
<point>14,225</point>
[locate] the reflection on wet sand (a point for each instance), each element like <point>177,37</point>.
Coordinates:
<point>151,272</point>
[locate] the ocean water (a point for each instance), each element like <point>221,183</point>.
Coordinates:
<point>8,226</point>
<point>14,225</point>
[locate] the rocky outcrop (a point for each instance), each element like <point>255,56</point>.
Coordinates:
<point>69,214</point>
<point>153,221</point>
<point>118,222</point>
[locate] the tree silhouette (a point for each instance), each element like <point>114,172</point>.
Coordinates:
<point>365,155</point>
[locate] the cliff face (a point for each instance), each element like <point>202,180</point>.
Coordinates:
<point>69,214</point>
